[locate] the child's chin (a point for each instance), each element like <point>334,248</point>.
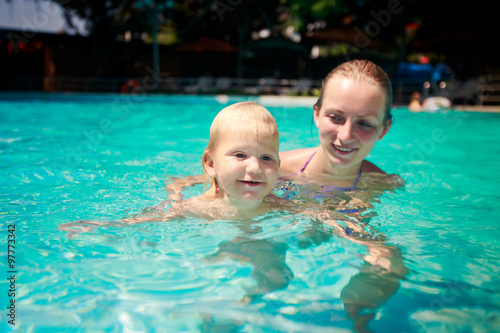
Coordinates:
<point>251,198</point>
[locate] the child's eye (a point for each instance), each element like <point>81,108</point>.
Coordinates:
<point>239,155</point>
<point>267,158</point>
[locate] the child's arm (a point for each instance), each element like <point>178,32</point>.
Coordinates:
<point>149,214</point>
<point>149,217</point>
<point>175,185</point>
<point>74,228</point>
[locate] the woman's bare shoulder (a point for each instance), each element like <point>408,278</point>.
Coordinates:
<point>369,167</point>
<point>392,181</point>
<point>293,160</point>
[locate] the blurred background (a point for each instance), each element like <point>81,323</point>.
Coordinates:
<point>279,47</point>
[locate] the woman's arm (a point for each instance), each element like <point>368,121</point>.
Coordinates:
<point>379,276</point>
<point>174,185</point>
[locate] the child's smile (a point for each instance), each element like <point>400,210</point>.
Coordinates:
<point>246,169</point>
<point>251,183</point>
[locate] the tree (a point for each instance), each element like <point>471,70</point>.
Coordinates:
<point>105,20</point>
<point>235,20</point>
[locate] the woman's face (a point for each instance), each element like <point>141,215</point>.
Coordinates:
<point>350,121</point>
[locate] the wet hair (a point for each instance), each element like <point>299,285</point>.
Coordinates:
<point>363,70</point>
<point>239,117</point>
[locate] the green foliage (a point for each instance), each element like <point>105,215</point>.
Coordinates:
<point>319,9</point>
<point>229,20</point>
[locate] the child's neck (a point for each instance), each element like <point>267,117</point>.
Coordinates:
<point>236,208</point>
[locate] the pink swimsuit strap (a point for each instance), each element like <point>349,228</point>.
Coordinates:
<point>305,165</point>
<point>309,160</point>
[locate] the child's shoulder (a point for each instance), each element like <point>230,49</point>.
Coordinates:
<point>191,205</point>
<point>201,206</point>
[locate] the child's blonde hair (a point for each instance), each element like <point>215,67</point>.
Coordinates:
<point>237,117</point>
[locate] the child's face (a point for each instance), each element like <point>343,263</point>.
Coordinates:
<point>246,169</point>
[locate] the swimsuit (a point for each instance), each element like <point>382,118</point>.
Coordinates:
<point>305,165</point>
<point>330,187</point>
<point>288,189</point>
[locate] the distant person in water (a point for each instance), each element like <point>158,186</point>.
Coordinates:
<point>415,104</point>
<point>430,104</point>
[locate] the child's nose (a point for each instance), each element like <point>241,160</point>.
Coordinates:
<point>254,165</point>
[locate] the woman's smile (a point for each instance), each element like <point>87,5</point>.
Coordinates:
<point>341,150</point>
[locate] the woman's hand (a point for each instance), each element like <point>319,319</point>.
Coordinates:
<point>174,185</point>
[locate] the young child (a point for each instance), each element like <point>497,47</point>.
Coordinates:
<point>241,161</point>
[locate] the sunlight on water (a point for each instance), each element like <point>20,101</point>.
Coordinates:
<point>73,167</point>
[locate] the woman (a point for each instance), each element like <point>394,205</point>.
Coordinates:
<point>352,113</point>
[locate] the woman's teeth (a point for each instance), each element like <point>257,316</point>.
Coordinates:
<point>344,149</point>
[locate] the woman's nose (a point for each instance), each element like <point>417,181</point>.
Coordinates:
<point>345,132</point>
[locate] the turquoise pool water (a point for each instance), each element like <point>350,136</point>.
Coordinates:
<point>66,158</point>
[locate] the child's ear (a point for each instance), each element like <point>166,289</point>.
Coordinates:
<point>208,164</point>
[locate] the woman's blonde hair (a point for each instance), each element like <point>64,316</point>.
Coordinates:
<point>243,116</point>
<point>363,70</point>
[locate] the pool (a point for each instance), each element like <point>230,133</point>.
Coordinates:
<point>75,157</point>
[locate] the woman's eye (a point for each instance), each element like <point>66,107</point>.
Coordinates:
<point>365,124</point>
<point>239,155</point>
<point>335,118</point>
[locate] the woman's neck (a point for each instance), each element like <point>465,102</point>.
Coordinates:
<point>322,166</point>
